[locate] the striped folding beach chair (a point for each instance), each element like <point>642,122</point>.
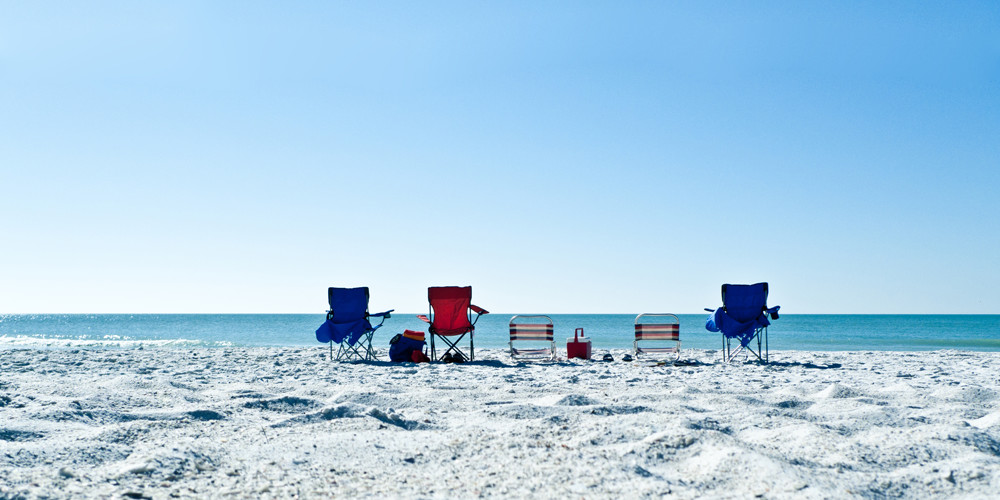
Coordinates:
<point>534,329</point>
<point>657,329</point>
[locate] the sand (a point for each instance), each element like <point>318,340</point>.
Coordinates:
<point>285,422</point>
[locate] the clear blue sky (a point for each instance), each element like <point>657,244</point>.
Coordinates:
<point>558,156</point>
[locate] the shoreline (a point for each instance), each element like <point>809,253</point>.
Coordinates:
<point>284,421</point>
<point>833,333</point>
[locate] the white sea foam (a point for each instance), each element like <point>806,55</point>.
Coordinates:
<point>31,341</point>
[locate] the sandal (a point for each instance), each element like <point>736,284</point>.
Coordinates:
<point>452,357</point>
<point>608,357</point>
<point>627,357</point>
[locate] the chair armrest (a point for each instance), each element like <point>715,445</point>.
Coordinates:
<point>479,312</point>
<point>386,314</point>
<point>773,312</point>
<point>424,318</point>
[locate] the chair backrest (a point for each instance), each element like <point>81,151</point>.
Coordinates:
<point>666,327</point>
<point>348,304</point>
<point>744,302</point>
<point>657,332</point>
<point>540,328</point>
<point>450,308</point>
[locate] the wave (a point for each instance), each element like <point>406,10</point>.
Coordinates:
<point>957,343</point>
<point>108,341</point>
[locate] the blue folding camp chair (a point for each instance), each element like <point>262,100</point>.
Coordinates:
<point>348,324</point>
<point>743,317</point>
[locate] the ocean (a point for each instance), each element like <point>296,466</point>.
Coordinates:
<point>817,332</point>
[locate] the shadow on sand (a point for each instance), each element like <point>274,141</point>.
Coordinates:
<point>804,365</point>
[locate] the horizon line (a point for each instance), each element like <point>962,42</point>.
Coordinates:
<point>3,314</point>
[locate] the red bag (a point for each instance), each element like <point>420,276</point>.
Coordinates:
<point>419,357</point>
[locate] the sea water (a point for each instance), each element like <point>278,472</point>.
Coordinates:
<point>606,331</point>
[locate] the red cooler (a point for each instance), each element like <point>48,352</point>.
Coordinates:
<point>578,346</point>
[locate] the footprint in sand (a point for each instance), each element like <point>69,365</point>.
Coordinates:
<point>287,404</point>
<point>14,435</point>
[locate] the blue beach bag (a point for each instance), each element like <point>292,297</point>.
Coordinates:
<point>402,347</point>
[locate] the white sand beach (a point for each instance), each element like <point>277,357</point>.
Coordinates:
<point>285,422</point>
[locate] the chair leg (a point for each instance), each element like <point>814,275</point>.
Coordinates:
<point>343,353</point>
<point>760,352</point>
<point>767,349</point>
<point>348,352</point>
<point>369,348</point>
<point>727,350</point>
<point>453,347</point>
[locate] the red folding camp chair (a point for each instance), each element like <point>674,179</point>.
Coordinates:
<point>451,316</point>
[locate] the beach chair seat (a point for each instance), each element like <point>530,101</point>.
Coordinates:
<point>537,331</point>
<point>743,317</point>
<point>654,330</point>
<point>450,319</point>
<point>348,324</point>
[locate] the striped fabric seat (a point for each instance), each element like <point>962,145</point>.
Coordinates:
<point>534,332</point>
<point>657,329</point>
<point>657,332</point>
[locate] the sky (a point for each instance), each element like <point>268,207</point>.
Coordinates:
<point>559,157</point>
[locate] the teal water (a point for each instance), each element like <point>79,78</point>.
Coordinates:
<point>790,332</point>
